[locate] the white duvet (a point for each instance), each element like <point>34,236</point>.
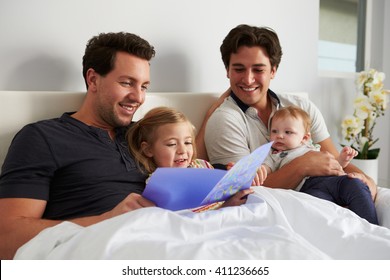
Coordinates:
<point>274,224</point>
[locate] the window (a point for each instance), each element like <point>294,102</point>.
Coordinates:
<point>341,35</point>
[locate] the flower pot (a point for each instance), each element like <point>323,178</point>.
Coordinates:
<point>368,166</point>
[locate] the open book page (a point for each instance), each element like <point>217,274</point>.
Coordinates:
<point>239,177</point>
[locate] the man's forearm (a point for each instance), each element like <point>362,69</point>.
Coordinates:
<point>15,233</point>
<point>287,177</point>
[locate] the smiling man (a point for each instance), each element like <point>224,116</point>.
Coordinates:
<point>77,167</point>
<point>251,56</point>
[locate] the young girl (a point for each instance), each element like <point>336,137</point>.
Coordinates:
<point>290,131</point>
<point>164,137</point>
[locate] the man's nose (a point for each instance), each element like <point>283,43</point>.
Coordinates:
<point>248,78</point>
<point>137,94</point>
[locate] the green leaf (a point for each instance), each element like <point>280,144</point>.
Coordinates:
<point>364,151</point>
<point>373,153</point>
<point>368,154</point>
<point>359,156</point>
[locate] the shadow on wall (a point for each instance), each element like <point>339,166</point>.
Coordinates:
<point>42,72</point>
<point>169,73</point>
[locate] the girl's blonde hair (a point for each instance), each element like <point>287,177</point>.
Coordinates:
<point>293,112</point>
<point>145,131</point>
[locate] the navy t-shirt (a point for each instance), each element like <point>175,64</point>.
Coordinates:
<point>76,168</point>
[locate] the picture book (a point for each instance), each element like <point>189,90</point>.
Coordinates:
<point>185,188</point>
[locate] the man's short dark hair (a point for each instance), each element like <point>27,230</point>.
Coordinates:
<point>100,52</point>
<point>252,36</point>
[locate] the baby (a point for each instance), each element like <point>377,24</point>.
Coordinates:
<point>290,131</point>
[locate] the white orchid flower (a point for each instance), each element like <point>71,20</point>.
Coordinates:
<point>361,79</point>
<point>370,104</point>
<point>352,126</point>
<point>378,98</point>
<point>363,107</point>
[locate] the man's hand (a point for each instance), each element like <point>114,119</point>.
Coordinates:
<point>366,180</point>
<point>319,164</point>
<point>131,202</point>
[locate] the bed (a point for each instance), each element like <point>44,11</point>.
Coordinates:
<point>273,224</point>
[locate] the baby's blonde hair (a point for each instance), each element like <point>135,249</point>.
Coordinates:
<point>293,112</point>
<point>144,131</point>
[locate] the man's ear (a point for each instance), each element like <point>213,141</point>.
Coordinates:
<point>145,149</point>
<point>273,72</point>
<point>91,78</point>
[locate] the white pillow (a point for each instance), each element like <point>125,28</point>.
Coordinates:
<point>382,204</point>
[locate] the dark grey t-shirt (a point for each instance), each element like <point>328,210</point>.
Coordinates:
<point>76,168</point>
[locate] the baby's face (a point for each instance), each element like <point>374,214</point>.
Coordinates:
<point>287,133</point>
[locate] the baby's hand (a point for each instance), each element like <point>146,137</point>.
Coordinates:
<point>346,155</point>
<point>229,165</point>
<point>349,153</point>
<point>260,176</point>
<point>238,199</point>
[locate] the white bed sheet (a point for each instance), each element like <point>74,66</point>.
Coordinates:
<point>274,224</point>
